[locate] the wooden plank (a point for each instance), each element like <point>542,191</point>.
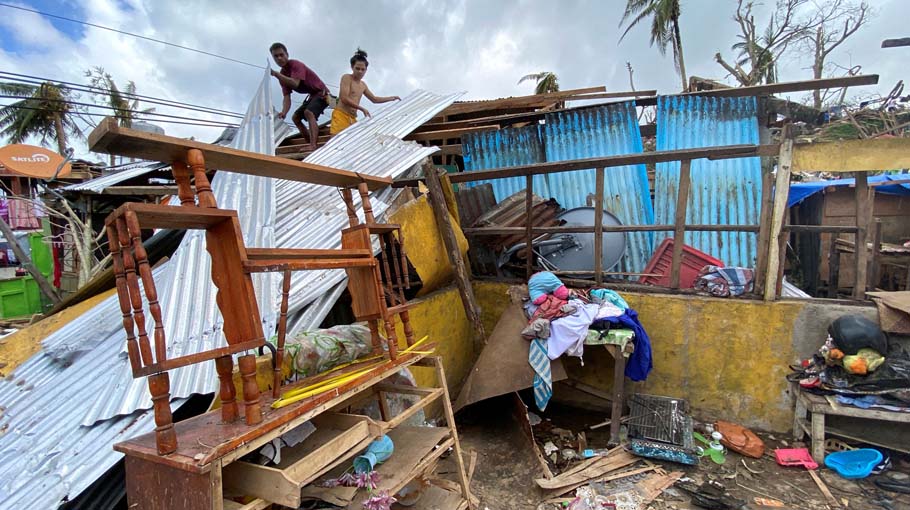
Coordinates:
<point>852,155</point>
<point>605,464</point>
<point>790,86</point>
<point>111,138</point>
<point>161,190</point>
<point>498,231</point>
<point>779,208</point>
<point>453,430</point>
<point>277,265</point>
<point>411,411</point>
<point>448,133</point>
<point>722,152</point>
<point>679,234</point>
<point>462,280</point>
<point>173,217</point>
<point>598,225</point>
<point>875,275</point>
<point>619,397</point>
<point>305,253</point>
<point>529,227</point>
<point>896,43</point>
<point>833,267</point>
<point>863,219</point>
<point>461,108</point>
<point>613,95</point>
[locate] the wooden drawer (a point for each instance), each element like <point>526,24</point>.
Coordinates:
<point>337,438</point>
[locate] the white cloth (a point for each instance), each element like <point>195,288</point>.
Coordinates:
<point>567,334</point>
<point>608,309</point>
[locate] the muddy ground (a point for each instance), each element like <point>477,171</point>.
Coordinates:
<point>506,467</point>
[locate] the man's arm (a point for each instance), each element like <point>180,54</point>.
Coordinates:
<point>286,81</point>
<point>378,99</point>
<point>344,95</point>
<point>285,106</point>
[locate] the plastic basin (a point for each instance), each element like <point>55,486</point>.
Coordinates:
<point>852,464</point>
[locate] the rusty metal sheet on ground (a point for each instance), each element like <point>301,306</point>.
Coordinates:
<point>503,364</point>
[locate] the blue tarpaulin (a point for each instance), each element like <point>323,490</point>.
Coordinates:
<point>803,190</point>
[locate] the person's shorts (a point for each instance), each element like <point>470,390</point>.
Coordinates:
<point>341,120</point>
<point>313,103</point>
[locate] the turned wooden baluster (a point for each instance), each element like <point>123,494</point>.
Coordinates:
<point>184,190</point>
<point>365,200</point>
<point>224,365</point>
<point>391,337</point>
<point>402,268</point>
<point>196,161</point>
<point>250,389</point>
<point>349,205</point>
<point>148,283</point>
<point>132,282</point>
<point>396,265</point>
<point>384,260</point>
<point>404,260</point>
<point>123,296</point>
<point>282,333</point>
<point>165,436</point>
<point>374,336</point>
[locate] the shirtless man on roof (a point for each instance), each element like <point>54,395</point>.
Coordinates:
<point>352,89</point>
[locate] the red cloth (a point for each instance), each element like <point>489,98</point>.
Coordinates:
<point>309,81</point>
<point>550,309</point>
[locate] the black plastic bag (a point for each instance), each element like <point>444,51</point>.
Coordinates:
<point>854,332</point>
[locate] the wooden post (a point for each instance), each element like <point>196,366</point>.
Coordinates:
<point>196,161</point>
<point>282,334</point>
<point>679,234</point>
<point>833,267</point>
<point>779,208</point>
<point>252,409</point>
<point>165,436</point>
<point>875,275</point>
<point>529,226</point>
<point>182,177</point>
<point>224,366</point>
<point>444,224</point>
<point>598,226</point>
<point>46,288</point>
<point>764,225</point>
<point>863,219</point>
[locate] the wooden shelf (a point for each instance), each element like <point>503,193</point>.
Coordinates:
<point>302,463</point>
<point>111,138</point>
<point>174,217</point>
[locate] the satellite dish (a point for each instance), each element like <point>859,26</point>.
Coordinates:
<point>579,256</point>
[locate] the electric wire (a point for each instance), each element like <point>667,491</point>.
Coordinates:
<point>37,80</point>
<point>102,27</point>
<point>108,107</point>
<point>163,121</point>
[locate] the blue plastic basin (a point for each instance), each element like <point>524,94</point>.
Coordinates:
<point>852,464</point>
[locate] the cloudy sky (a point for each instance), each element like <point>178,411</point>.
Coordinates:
<point>481,47</point>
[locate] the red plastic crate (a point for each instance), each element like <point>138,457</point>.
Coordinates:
<point>692,262</point>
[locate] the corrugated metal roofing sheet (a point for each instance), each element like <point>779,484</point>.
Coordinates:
<point>118,175</point>
<point>608,130</point>
<point>46,453</point>
<point>723,192</point>
<point>600,131</point>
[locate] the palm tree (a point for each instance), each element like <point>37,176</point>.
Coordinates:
<point>124,104</point>
<point>43,111</point>
<point>664,27</point>
<point>546,82</point>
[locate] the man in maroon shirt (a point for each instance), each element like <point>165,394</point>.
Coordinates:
<point>297,77</point>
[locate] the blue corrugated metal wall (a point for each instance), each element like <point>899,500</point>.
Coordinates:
<point>595,132</point>
<point>603,131</point>
<point>724,192</point>
<point>505,147</point>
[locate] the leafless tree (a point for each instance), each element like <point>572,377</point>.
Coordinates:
<point>834,22</point>
<point>758,50</point>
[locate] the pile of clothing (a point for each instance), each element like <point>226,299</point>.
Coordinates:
<point>559,321</point>
<point>857,363</point>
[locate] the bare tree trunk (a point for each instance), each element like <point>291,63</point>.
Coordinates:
<point>679,55</point>
<point>26,262</point>
<point>61,134</point>
<point>818,66</point>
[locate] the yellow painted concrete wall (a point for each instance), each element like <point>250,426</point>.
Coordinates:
<point>728,357</point>
<point>424,245</point>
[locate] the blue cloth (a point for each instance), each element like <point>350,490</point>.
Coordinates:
<point>542,283</point>
<point>803,190</point>
<point>639,364</point>
<point>543,381</point>
<point>610,296</point>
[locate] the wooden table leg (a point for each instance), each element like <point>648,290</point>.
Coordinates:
<point>619,369</point>
<point>799,414</point>
<point>818,437</point>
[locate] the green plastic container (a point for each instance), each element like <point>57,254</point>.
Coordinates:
<point>42,256</point>
<point>19,297</point>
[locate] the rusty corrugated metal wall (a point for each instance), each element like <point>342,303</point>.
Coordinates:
<point>724,192</point>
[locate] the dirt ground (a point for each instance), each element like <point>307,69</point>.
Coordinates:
<point>506,467</point>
